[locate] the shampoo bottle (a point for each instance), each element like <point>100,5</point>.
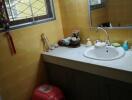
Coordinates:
<point>125,45</point>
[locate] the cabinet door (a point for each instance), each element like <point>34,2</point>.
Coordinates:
<point>87,86</point>
<point>63,78</point>
<point>117,90</point>
<point>78,85</point>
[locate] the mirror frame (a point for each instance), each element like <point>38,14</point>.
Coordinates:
<point>90,20</point>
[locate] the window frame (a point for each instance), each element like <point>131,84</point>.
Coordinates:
<point>36,20</point>
<point>97,6</point>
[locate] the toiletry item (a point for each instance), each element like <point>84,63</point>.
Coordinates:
<point>100,44</point>
<point>116,44</point>
<point>89,42</point>
<point>125,45</point>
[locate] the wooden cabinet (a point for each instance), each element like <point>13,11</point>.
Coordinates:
<point>63,78</point>
<point>117,90</point>
<point>78,85</point>
<point>86,86</point>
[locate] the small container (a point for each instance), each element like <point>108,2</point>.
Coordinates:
<point>89,42</point>
<point>125,45</point>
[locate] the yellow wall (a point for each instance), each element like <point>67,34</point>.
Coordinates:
<point>99,16</point>
<point>20,73</point>
<point>116,12</point>
<point>119,12</point>
<point>75,15</point>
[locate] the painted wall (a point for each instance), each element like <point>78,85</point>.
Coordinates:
<point>116,12</point>
<point>99,16</point>
<point>19,74</point>
<point>119,12</point>
<point>75,15</point>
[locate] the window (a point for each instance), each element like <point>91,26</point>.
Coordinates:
<point>94,4</point>
<point>27,12</point>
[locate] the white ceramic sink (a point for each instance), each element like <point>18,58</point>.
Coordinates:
<point>106,53</point>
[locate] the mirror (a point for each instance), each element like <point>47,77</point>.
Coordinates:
<point>111,13</point>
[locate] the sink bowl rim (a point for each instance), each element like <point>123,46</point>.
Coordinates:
<point>120,50</point>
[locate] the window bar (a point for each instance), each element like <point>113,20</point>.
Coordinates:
<point>5,9</point>
<point>22,11</point>
<point>30,4</point>
<point>46,6</point>
<point>11,10</point>
<point>8,35</point>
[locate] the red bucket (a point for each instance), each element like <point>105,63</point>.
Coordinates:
<point>48,92</point>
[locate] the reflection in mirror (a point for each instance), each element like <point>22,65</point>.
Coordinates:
<point>111,13</point>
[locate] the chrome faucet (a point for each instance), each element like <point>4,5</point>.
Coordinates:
<point>107,35</point>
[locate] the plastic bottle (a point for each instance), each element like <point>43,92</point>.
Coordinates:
<point>125,45</point>
<point>89,42</point>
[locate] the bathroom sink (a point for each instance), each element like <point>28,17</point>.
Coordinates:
<point>106,53</point>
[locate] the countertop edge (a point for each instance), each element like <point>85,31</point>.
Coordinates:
<point>112,73</point>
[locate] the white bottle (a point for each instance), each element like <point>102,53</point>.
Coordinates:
<point>89,42</point>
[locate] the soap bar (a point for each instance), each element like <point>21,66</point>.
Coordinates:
<point>116,44</point>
